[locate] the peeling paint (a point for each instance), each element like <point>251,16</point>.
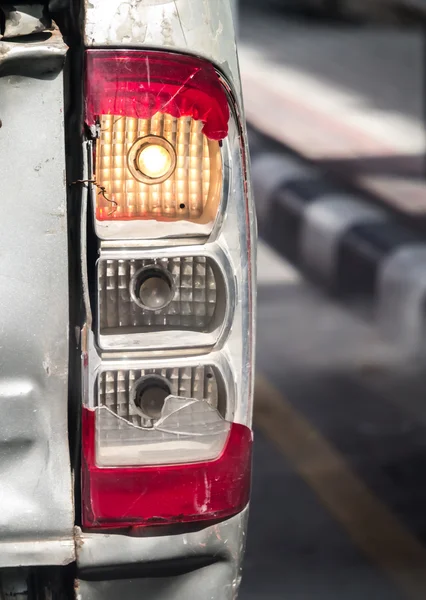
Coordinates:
<point>200,27</point>
<point>167,31</point>
<point>127,24</point>
<point>25,20</point>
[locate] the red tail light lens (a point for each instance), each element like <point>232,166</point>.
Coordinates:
<point>139,84</point>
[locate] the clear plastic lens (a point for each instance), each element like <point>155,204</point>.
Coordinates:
<point>169,293</point>
<point>164,416</point>
<point>162,168</point>
<point>116,388</point>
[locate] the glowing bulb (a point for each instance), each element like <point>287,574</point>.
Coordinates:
<point>154,161</point>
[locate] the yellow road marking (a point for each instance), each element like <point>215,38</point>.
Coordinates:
<point>374,529</point>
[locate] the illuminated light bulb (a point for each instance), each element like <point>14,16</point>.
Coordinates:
<point>151,159</point>
<point>154,161</point>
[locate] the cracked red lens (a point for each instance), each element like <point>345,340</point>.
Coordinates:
<point>139,84</point>
<point>163,494</point>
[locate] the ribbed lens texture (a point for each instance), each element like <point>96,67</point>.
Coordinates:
<point>192,307</point>
<point>115,388</point>
<point>191,192</point>
<point>187,426</point>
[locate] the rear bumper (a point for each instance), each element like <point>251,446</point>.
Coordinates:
<point>201,565</point>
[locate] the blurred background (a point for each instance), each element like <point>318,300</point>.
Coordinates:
<point>335,103</point>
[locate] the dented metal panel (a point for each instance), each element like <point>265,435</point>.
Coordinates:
<point>212,582</point>
<point>216,550</point>
<point>201,27</point>
<point>36,505</point>
<point>33,57</point>
<point>24,20</point>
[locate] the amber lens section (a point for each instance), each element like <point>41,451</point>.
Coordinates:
<point>191,192</point>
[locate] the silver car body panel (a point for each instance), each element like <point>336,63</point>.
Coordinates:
<point>36,494</point>
<point>217,550</point>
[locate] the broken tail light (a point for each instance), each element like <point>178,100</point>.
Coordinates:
<point>159,416</point>
<point>167,494</point>
<point>168,339</point>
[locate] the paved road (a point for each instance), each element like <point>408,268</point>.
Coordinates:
<point>349,96</point>
<point>339,495</point>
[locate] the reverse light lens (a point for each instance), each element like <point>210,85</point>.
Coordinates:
<point>165,294</point>
<point>158,416</point>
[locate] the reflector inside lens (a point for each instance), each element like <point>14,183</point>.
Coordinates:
<point>161,168</point>
<point>172,293</point>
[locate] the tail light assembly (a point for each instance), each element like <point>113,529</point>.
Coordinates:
<point>167,344</point>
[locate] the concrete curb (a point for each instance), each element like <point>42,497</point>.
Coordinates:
<point>356,250</point>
